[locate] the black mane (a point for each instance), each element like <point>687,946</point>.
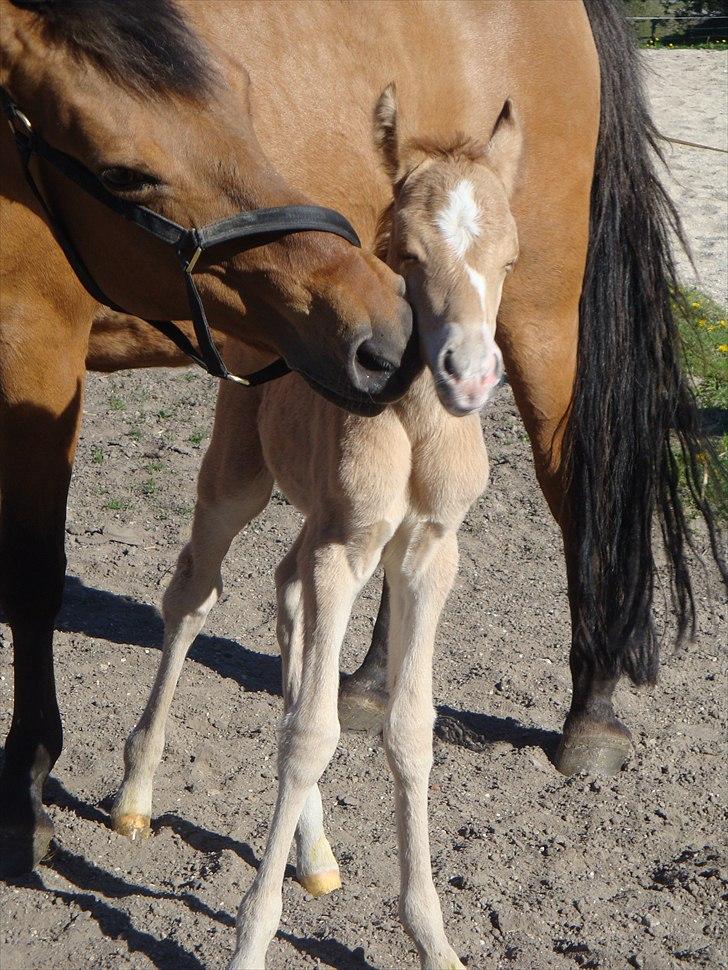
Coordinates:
<point>144,45</point>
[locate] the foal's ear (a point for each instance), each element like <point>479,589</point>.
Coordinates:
<point>385,131</point>
<point>503,152</point>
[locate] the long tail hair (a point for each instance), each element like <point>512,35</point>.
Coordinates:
<point>633,408</point>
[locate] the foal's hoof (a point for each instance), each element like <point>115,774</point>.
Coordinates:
<point>593,747</point>
<point>132,826</point>
<point>320,883</point>
<point>21,849</point>
<point>362,707</point>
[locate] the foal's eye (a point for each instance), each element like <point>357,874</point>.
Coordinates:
<point>510,266</point>
<point>120,179</point>
<point>411,258</point>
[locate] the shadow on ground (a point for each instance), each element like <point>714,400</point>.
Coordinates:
<point>121,619</point>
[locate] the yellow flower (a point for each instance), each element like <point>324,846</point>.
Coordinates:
<point>723,348</point>
<point>696,306</point>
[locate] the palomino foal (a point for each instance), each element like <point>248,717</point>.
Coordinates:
<point>394,488</point>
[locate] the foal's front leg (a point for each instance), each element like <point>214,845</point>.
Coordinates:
<point>309,733</point>
<point>420,566</point>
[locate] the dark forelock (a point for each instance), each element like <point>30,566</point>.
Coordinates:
<point>144,45</point>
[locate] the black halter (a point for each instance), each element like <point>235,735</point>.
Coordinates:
<point>255,228</point>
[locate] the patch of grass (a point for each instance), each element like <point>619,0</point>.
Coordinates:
<point>704,329</point>
<point>197,437</point>
<point>155,466</point>
<point>164,414</point>
<point>97,455</point>
<point>658,44</point>
<point>116,403</point>
<point>148,487</point>
<point>134,433</point>
<point>116,504</point>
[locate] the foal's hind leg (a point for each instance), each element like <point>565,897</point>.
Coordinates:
<point>316,867</point>
<point>234,486</point>
<point>421,565</point>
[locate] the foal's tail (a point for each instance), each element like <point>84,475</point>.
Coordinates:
<point>633,446</point>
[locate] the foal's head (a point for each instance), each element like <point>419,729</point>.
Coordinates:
<point>453,238</point>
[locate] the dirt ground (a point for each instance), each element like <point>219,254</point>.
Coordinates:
<point>535,871</point>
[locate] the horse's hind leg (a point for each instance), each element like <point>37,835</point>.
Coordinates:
<point>541,364</point>
<point>316,867</point>
<point>39,416</point>
<point>363,694</point>
<point>234,486</point>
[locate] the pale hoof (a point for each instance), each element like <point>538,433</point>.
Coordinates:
<point>132,826</point>
<point>321,883</point>
<point>596,749</point>
<point>362,708</point>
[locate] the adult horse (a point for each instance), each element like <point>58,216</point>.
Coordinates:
<point>183,106</point>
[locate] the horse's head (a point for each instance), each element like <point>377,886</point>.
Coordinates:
<point>453,238</point>
<point>142,96</point>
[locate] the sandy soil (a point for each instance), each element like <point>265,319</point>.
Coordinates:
<point>535,871</point>
<point>689,96</point>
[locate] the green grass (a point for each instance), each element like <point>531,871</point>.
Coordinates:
<point>704,45</point>
<point>197,437</point>
<point>116,504</point>
<point>704,330</point>
<point>97,455</point>
<point>116,403</point>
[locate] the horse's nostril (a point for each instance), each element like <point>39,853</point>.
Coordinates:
<point>370,357</point>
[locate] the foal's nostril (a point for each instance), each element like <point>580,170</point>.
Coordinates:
<point>448,364</point>
<point>371,358</point>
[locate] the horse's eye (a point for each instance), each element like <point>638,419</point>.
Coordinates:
<point>411,258</point>
<point>119,179</point>
<point>510,266</point>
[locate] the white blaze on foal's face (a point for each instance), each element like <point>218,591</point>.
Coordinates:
<point>458,219</point>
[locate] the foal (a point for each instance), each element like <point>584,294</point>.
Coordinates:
<point>394,487</point>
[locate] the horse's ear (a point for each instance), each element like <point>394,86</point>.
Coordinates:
<point>385,131</point>
<point>503,152</point>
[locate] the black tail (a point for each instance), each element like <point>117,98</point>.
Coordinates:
<point>633,404</point>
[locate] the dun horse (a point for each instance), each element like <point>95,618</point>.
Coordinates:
<point>393,487</point>
<point>194,110</point>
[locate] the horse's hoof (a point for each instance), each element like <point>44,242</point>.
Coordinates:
<point>593,747</point>
<point>132,826</point>
<point>362,707</point>
<point>21,849</point>
<point>320,883</point>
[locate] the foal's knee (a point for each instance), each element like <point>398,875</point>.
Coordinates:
<point>408,743</point>
<point>307,744</point>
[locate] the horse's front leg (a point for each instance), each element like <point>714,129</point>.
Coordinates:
<point>421,568</point>
<point>309,733</point>
<point>41,387</point>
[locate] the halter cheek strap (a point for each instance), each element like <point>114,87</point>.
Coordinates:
<point>251,229</point>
